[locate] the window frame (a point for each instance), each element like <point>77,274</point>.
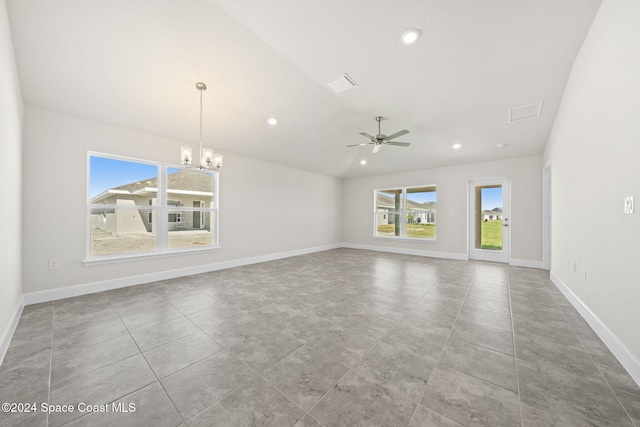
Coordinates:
<point>403,212</point>
<point>160,209</point>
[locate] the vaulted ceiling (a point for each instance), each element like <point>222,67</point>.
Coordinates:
<point>135,64</point>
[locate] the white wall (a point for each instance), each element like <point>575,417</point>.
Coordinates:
<point>595,153</point>
<point>11,110</point>
<point>452,198</point>
<point>264,208</point>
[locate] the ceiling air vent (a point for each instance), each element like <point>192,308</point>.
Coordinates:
<point>525,111</point>
<point>341,83</point>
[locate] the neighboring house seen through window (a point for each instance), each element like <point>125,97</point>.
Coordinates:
<point>141,207</point>
<point>406,212</point>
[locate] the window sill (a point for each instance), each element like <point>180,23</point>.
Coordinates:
<point>110,259</point>
<point>406,239</point>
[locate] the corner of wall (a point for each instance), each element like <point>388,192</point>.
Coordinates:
<point>11,139</point>
<point>7,334</point>
<point>613,343</point>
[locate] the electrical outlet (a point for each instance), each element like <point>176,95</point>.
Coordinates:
<point>585,274</point>
<point>628,205</point>
<point>54,264</point>
<point>575,267</point>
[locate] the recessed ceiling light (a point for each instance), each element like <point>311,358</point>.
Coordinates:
<point>272,121</point>
<point>499,145</point>
<point>410,36</point>
<point>363,162</point>
<point>457,146</point>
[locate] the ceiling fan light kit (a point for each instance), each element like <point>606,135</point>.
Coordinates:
<point>381,139</point>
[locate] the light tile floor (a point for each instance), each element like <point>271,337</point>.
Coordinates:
<point>337,338</point>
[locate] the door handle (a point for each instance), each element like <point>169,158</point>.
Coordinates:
<point>505,225</point>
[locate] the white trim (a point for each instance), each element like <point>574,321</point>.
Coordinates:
<point>546,217</point>
<point>488,255</point>
<point>8,332</point>
<point>407,239</point>
<point>105,285</point>
<point>502,255</point>
<point>161,209</point>
<point>432,254</point>
<point>615,345</point>
<point>137,256</point>
<point>403,211</point>
<point>526,263</point>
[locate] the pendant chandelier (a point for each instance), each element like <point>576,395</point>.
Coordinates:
<point>208,159</point>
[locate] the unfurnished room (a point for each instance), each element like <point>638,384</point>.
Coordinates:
<point>320,213</point>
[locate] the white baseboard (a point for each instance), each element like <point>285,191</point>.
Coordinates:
<point>526,263</point>
<point>615,345</point>
<point>432,254</point>
<point>7,334</point>
<point>106,285</point>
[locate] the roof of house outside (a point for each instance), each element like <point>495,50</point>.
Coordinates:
<point>180,181</point>
<point>387,202</point>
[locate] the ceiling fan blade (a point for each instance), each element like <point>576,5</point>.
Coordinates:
<point>397,134</point>
<point>359,145</point>
<point>398,143</point>
<point>366,135</point>
<point>376,149</point>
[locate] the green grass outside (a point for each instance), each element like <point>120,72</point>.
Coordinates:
<point>491,232</point>
<point>491,235</point>
<point>422,231</point>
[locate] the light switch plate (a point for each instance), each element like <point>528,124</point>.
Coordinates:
<point>628,205</point>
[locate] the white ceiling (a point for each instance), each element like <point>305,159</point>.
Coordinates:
<point>135,64</point>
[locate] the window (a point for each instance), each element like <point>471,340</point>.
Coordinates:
<point>175,216</point>
<point>408,212</point>
<point>139,207</point>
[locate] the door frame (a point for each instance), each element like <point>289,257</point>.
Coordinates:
<point>503,255</point>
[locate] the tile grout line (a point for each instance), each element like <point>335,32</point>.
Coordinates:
<point>444,345</point>
<point>586,351</point>
<point>349,369</point>
<point>239,388</point>
<point>603,377</point>
<point>515,352</point>
<point>514,284</point>
<point>53,312</point>
<point>149,365</point>
<point>326,392</point>
<point>287,397</point>
<point>228,349</point>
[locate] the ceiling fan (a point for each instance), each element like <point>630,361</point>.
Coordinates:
<point>380,139</point>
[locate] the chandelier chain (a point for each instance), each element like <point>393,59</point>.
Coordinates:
<point>201,89</point>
